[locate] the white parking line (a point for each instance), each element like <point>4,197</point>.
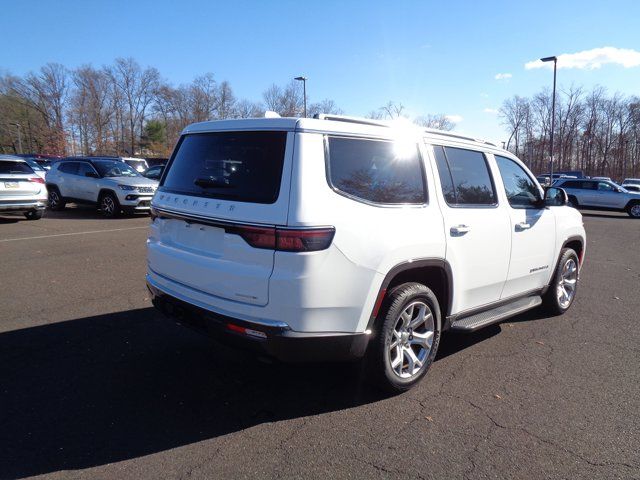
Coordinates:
<point>68,234</point>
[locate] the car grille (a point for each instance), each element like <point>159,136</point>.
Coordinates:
<point>146,189</point>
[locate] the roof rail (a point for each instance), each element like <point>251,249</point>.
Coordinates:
<point>347,119</point>
<point>457,135</point>
<point>388,124</point>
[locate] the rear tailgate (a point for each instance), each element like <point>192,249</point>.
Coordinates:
<point>17,180</point>
<point>215,186</point>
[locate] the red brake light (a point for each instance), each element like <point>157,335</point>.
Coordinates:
<point>37,180</point>
<point>286,240</point>
<point>257,237</point>
<point>304,240</point>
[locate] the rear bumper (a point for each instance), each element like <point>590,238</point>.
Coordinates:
<point>277,340</point>
<point>22,205</point>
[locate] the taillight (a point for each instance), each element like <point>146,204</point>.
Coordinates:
<point>37,180</point>
<point>286,240</point>
<point>258,237</point>
<point>304,240</point>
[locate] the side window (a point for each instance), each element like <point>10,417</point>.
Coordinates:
<point>69,167</point>
<point>589,185</point>
<point>465,177</point>
<point>605,187</point>
<point>84,168</point>
<point>376,170</point>
<point>520,188</point>
<point>570,184</point>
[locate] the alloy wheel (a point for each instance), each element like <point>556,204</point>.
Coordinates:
<point>566,288</point>
<point>635,210</point>
<point>411,340</point>
<point>108,206</point>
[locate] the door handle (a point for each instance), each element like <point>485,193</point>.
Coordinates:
<point>460,230</point>
<point>522,226</point>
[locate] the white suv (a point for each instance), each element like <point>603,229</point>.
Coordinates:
<point>337,238</point>
<point>110,184</point>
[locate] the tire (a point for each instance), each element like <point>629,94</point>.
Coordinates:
<point>411,309</point>
<point>633,210</point>
<point>56,200</point>
<point>564,284</point>
<point>109,205</point>
<point>34,214</point>
<point>573,202</point>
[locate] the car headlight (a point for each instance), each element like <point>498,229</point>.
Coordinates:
<point>126,187</point>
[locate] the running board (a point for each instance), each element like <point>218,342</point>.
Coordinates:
<point>495,315</point>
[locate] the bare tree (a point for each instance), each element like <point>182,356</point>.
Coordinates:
<point>438,121</point>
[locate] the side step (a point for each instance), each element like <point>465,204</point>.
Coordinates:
<point>495,315</point>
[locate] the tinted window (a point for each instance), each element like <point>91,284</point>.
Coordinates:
<point>84,168</point>
<point>606,187</point>
<point>114,168</point>
<point>521,190</point>
<point>9,166</point>
<point>571,184</point>
<point>465,177</point>
<point>377,171</point>
<point>242,166</point>
<point>69,167</point>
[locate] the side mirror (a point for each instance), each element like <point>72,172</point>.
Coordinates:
<point>91,174</point>
<point>555,197</point>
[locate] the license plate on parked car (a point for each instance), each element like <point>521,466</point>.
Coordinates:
<point>10,184</point>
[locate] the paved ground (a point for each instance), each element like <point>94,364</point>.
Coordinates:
<point>93,383</point>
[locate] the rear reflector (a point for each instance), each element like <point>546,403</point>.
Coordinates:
<point>246,331</point>
<point>37,180</point>
<point>378,304</point>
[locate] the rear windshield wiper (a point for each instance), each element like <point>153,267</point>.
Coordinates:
<point>211,183</point>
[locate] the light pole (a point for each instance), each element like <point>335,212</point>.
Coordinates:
<point>19,128</point>
<point>553,112</point>
<point>304,92</point>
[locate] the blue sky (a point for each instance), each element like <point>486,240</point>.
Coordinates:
<point>432,56</point>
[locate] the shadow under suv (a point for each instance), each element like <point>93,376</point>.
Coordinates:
<point>113,186</point>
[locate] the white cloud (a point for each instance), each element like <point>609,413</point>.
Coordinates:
<point>592,59</point>
<point>454,118</point>
<point>492,111</point>
<point>503,76</point>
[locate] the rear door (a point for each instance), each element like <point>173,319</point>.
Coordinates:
<point>86,187</point>
<point>220,191</point>
<point>477,227</point>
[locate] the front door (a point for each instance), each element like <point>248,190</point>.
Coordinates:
<point>533,231</point>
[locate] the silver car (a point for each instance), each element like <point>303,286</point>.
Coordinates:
<point>110,184</point>
<point>22,191</point>
<point>590,194</point>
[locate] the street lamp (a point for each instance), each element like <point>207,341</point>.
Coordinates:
<point>304,90</point>
<point>19,128</point>
<point>553,112</point>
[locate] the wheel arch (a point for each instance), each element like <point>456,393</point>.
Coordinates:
<point>434,273</point>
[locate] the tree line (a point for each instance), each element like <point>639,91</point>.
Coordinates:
<point>127,109</point>
<point>596,132</point>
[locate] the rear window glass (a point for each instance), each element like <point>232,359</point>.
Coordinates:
<point>8,167</point>
<point>377,171</point>
<point>240,166</point>
<point>465,177</point>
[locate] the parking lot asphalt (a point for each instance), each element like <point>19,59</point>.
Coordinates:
<point>94,383</point>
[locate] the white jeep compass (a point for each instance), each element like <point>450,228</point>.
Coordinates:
<point>337,238</point>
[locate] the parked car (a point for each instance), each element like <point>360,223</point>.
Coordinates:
<point>154,172</point>
<point>629,182</point>
<point>338,238</point>
<point>43,160</point>
<point>110,184</point>
<point>37,168</point>
<point>594,194</point>
<point>632,188</point>
<point>138,164</point>
<point>21,190</point>
<point>606,179</point>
